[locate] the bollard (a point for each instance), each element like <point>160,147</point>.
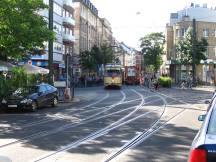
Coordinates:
<point>67,95</point>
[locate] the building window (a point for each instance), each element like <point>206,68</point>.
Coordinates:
<point>57,46</point>
<point>182,32</point>
<point>57,28</point>
<point>205,32</point>
<point>57,9</point>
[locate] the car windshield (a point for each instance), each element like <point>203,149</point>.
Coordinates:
<point>212,123</point>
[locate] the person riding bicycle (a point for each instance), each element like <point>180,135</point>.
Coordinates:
<point>156,84</point>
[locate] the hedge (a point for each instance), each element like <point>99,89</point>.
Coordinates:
<point>165,81</point>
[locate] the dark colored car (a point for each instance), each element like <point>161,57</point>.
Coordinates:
<point>203,148</point>
<point>31,98</point>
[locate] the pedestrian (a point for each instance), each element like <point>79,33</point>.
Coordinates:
<point>140,80</point>
<point>189,81</point>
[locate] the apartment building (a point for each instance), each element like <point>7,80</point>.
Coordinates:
<point>86,16</point>
<point>63,26</point>
<point>205,27</point>
<point>106,31</point>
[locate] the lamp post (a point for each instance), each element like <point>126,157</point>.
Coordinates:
<point>50,45</point>
<point>67,70</point>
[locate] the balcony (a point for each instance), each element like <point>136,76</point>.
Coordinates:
<point>69,39</point>
<point>68,5</point>
<point>68,21</point>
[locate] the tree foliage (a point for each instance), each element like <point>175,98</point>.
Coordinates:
<point>91,60</point>
<point>22,29</point>
<point>184,49</point>
<point>17,78</point>
<point>152,49</point>
<point>87,61</point>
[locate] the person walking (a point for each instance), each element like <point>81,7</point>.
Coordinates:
<point>189,81</point>
<point>141,80</point>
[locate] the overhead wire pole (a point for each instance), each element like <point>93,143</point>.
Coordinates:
<point>50,45</point>
<point>193,51</point>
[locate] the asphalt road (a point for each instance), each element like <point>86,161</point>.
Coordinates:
<point>133,124</point>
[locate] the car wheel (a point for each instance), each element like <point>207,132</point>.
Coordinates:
<point>34,106</point>
<point>55,102</point>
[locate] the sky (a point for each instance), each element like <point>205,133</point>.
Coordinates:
<point>132,19</point>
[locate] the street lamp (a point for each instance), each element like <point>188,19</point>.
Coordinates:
<point>50,45</point>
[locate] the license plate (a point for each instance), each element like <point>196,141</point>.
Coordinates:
<point>12,105</point>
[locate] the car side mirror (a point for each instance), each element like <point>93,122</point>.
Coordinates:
<point>201,117</point>
<point>207,102</point>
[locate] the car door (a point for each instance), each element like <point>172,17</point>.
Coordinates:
<point>50,94</point>
<point>42,95</point>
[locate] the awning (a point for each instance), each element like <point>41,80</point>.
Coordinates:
<point>31,69</point>
<point>5,66</point>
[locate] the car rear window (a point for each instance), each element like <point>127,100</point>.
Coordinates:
<point>212,122</point>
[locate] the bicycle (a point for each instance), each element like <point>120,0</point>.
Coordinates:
<point>185,84</point>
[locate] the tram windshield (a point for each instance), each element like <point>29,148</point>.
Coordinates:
<point>112,73</point>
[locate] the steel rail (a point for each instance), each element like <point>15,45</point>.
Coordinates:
<point>99,133</point>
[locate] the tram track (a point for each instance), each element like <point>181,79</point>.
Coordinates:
<point>64,127</point>
<point>112,131</point>
<point>101,132</point>
<point>107,129</point>
<point>117,124</point>
<point>46,133</point>
<point>154,128</point>
<point>59,116</point>
<point>69,113</point>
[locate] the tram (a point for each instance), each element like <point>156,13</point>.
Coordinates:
<point>113,76</point>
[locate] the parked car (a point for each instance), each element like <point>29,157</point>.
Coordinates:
<point>203,148</point>
<point>31,98</point>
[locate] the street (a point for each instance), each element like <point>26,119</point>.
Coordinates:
<point>133,124</point>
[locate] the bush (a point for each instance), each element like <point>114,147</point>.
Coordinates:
<point>165,81</point>
<point>16,79</point>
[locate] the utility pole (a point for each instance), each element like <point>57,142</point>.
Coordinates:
<point>50,46</point>
<point>193,51</point>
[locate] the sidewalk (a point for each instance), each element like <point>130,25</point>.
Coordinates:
<point>204,88</point>
<point>195,97</point>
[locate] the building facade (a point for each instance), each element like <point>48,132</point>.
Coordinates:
<point>86,16</point>
<point>106,32</point>
<point>90,29</point>
<point>63,26</point>
<point>205,28</point>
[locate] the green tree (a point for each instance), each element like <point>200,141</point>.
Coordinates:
<point>88,61</point>
<point>184,49</point>
<point>22,29</point>
<point>18,78</point>
<point>152,49</point>
<point>92,60</point>
<point>107,54</point>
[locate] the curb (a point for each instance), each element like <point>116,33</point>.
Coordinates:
<point>69,103</point>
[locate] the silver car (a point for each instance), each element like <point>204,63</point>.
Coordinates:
<point>203,148</point>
